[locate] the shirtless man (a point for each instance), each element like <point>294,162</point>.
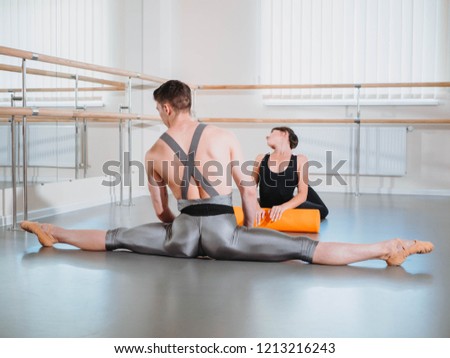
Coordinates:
<point>182,159</point>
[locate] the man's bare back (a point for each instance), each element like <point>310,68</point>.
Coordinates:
<point>215,157</point>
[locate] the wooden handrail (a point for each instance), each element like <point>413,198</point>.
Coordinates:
<point>8,51</point>
<point>62,89</point>
<point>324,121</point>
<point>405,121</point>
<point>65,114</point>
<point>67,120</point>
<point>59,113</point>
<point>406,84</point>
<point>34,71</point>
<point>274,120</point>
<point>321,86</point>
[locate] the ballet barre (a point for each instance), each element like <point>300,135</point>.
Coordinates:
<point>320,86</point>
<point>54,74</point>
<point>27,55</point>
<point>324,121</point>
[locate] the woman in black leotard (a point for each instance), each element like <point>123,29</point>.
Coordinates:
<point>280,173</point>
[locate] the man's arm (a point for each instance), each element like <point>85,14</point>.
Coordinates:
<point>244,181</point>
<point>158,191</point>
<point>256,166</point>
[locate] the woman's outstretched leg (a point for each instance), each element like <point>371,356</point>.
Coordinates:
<point>394,252</point>
<point>48,235</point>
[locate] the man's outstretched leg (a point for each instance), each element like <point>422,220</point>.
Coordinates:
<point>394,252</point>
<point>222,240</point>
<point>48,235</point>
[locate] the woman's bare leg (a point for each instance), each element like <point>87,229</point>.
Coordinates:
<point>394,252</point>
<point>48,235</point>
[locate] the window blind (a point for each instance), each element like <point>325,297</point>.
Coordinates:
<point>354,41</point>
<point>82,30</point>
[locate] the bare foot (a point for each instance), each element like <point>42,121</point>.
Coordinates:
<point>42,231</point>
<point>399,250</point>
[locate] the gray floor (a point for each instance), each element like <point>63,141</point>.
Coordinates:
<point>64,292</point>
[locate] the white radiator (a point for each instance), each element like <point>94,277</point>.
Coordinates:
<point>383,149</point>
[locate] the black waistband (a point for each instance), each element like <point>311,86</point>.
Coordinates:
<point>207,210</point>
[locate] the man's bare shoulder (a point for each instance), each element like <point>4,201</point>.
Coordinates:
<point>220,134</point>
<point>154,152</point>
<point>218,130</point>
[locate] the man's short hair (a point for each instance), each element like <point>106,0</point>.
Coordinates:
<point>176,93</point>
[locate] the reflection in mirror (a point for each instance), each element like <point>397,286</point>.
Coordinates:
<point>52,152</point>
<point>57,148</point>
<point>51,85</point>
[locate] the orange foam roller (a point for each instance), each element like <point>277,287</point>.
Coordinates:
<point>292,220</point>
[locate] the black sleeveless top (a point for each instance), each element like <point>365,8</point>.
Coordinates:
<point>277,188</point>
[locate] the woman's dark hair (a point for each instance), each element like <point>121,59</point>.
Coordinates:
<point>293,139</point>
<point>176,93</point>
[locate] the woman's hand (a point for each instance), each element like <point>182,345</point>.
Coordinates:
<point>260,214</point>
<point>276,212</point>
